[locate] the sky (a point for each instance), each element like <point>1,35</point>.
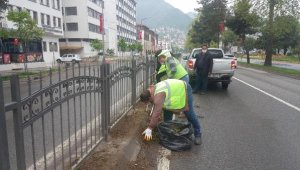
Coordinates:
<point>184,5</point>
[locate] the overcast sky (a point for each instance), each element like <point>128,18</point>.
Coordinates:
<point>184,5</point>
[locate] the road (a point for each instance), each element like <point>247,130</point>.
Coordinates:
<point>253,125</point>
<point>275,63</point>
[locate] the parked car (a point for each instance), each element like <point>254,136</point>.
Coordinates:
<point>232,57</point>
<point>74,58</point>
<point>223,68</point>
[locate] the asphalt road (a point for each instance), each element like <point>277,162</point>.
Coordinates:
<point>249,126</point>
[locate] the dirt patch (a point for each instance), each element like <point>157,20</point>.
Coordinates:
<point>116,152</point>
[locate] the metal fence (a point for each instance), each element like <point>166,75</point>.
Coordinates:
<point>56,119</point>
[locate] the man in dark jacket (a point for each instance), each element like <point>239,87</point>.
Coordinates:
<point>203,67</point>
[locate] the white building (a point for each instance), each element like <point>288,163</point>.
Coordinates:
<point>81,26</point>
<point>48,15</point>
<point>126,20</point>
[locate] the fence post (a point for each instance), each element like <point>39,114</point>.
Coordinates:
<point>17,118</point>
<point>4,155</point>
<point>105,99</point>
<point>133,83</point>
<point>147,71</point>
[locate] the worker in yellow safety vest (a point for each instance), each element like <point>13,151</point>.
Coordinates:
<point>173,95</point>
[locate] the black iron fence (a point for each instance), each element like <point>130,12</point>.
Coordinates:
<point>55,120</point>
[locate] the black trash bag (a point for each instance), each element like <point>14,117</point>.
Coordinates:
<point>175,135</point>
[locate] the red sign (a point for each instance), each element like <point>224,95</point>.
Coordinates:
<point>101,23</point>
<point>221,27</point>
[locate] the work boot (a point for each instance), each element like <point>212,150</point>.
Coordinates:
<point>198,140</point>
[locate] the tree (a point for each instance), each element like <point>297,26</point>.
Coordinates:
<point>228,37</point>
<point>273,8</point>
<point>96,45</point>
<point>122,45</point>
<point>206,27</point>
<point>286,32</point>
<point>244,21</point>
<point>132,47</point>
<point>249,45</point>
<point>110,52</point>
<point>26,30</point>
<point>139,47</point>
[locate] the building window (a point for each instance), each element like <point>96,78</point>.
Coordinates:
<point>19,9</point>
<point>42,19</point>
<point>54,21</point>
<point>72,26</point>
<point>35,16</point>
<point>93,13</point>
<point>45,2</point>
<point>98,2</point>
<point>59,22</point>
<point>44,46</point>
<point>94,28</point>
<point>71,10</point>
<point>58,4</point>
<point>53,46</point>
<point>33,0</point>
<point>48,20</point>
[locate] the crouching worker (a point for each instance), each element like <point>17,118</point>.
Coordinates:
<point>173,95</point>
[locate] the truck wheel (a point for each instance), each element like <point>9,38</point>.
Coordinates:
<point>225,85</point>
<point>58,61</point>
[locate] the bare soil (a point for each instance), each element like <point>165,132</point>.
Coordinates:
<point>111,155</point>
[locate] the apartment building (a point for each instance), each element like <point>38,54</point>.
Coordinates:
<point>148,38</point>
<point>126,20</point>
<point>47,14</point>
<point>81,26</point>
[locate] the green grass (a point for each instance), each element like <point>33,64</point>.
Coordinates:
<point>281,58</point>
<point>272,69</point>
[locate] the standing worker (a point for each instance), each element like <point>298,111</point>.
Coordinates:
<point>203,67</point>
<point>173,95</point>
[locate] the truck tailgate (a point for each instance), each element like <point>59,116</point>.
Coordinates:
<point>222,66</point>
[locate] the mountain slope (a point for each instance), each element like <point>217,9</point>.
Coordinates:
<point>159,13</point>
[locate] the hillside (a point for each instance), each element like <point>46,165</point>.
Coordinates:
<point>159,14</point>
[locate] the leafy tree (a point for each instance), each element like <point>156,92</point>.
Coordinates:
<point>27,29</point>
<point>249,45</point>
<point>271,9</point>
<point>139,47</point>
<point>206,27</point>
<point>122,45</point>
<point>96,45</point>
<point>229,37</point>
<point>286,32</point>
<point>132,47</point>
<point>244,21</point>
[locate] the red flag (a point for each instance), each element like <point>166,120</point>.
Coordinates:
<point>101,24</point>
<point>140,35</point>
<point>221,27</point>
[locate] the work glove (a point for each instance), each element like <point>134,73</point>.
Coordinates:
<point>148,134</point>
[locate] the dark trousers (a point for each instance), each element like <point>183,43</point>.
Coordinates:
<point>201,82</point>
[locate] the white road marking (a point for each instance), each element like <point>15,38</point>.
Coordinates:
<point>270,95</point>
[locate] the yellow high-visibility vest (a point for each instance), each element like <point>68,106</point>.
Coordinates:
<point>175,91</point>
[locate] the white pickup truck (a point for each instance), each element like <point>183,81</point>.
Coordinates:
<point>223,68</point>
